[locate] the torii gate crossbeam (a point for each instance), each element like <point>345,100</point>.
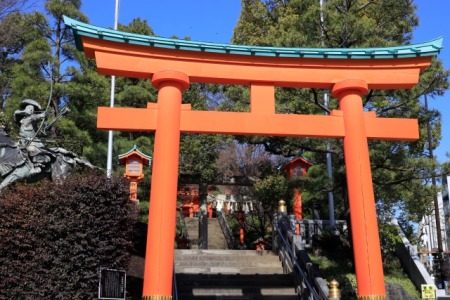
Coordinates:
<point>173,64</point>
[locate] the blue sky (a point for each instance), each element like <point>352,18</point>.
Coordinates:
<point>214,21</point>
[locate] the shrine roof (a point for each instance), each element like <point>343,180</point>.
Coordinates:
<point>80,29</point>
<point>145,157</point>
<point>294,159</point>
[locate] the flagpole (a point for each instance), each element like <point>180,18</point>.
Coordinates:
<point>113,84</point>
<point>328,156</point>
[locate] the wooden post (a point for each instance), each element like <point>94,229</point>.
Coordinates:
<point>298,212</point>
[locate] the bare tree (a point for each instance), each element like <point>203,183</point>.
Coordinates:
<point>242,160</point>
<point>248,161</point>
<point>10,6</point>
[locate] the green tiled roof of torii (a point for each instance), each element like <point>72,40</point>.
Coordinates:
<point>431,48</point>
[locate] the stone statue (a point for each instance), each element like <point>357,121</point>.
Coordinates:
<point>29,158</point>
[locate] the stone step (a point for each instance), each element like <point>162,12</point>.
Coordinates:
<point>223,254</point>
<point>228,270</point>
<point>216,239</point>
<point>231,274</point>
<point>226,261</point>
<point>236,291</point>
<point>238,258</point>
<point>229,263</point>
<point>267,280</point>
<point>222,286</point>
<point>189,280</point>
<point>236,297</point>
<point>192,229</point>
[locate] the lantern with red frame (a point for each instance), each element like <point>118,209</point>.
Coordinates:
<point>297,167</point>
<point>134,161</point>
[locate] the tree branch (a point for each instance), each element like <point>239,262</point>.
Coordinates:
<point>316,101</point>
<point>368,97</point>
<point>366,4</point>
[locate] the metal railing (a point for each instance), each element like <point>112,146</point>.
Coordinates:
<point>228,234</point>
<point>309,284</point>
<point>311,228</point>
<point>182,223</point>
<point>174,285</point>
<point>409,257</point>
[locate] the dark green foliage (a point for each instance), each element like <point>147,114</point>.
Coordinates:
<point>334,257</point>
<point>137,26</point>
<point>54,238</point>
<point>389,239</point>
<point>271,189</point>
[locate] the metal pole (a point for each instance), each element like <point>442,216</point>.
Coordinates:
<point>330,176</point>
<point>329,166</point>
<point>321,18</point>
<point>113,84</point>
<point>440,275</point>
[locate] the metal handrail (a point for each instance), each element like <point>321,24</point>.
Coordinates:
<point>226,230</point>
<point>174,285</point>
<point>302,275</point>
<point>184,231</point>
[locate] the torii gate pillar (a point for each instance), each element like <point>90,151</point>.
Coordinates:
<point>162,211</point>
<point>366,242</point>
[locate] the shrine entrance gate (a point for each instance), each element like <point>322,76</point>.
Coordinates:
<point>172,65</point>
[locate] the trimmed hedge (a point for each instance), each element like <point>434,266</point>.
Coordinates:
<point>54,238</point>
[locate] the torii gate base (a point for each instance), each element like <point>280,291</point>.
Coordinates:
<point>173,64</point>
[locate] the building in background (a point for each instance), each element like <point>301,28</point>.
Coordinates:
<point>427,228</point>
<point>220,198</point>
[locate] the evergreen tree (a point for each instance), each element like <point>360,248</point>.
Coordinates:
<point>401,170</point>
<point>14,35</point>
<point>49,69</point>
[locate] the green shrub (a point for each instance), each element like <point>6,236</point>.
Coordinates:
<point>54,238</point>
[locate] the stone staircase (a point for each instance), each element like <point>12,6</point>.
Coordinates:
<point>232,275</point>
<point>216,239</point>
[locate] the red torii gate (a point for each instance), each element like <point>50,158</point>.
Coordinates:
<point>172,65</point>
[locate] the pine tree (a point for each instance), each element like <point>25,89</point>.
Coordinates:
<point>401,170</point>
